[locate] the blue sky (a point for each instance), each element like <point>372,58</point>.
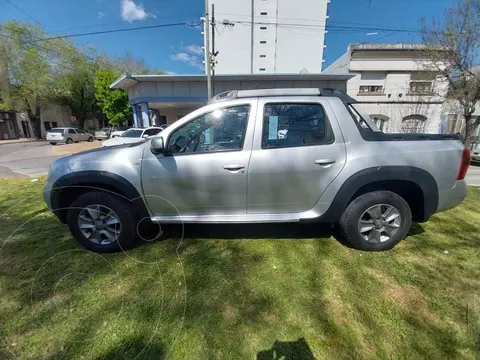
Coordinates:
<point>177,49</point>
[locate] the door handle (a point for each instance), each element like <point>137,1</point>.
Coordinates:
<point>324,162</point>
<point>234,167</point>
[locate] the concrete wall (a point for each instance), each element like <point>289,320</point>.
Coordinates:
<point>267,38</point>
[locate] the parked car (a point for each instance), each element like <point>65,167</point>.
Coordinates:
<point>103,134</point>
<point>476,152</point>
<point>118,131</point>
<point>67,135</point>
<point>227,163</point>
<point>133,135</point>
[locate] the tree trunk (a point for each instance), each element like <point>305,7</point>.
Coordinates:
<point>37,127</point>
<point>35,120</point>
<point>469,131</point>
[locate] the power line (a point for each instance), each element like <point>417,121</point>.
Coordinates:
<point>326,27</point>
<point>118,30</point>
<point>25,13</point>
<point>123,22</point>
<point>52,50</point>
<point>44,57</point>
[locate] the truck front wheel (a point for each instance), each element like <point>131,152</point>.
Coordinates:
<point>102,222</point>
<point>376,221</point>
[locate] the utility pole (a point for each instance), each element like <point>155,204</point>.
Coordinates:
<point>208,60</point>
<point>213,49</point>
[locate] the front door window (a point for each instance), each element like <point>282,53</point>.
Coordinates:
<point>219,130</point>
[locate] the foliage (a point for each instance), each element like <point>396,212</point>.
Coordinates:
<point>36,70</point>
<point>114,102</point>
<point>454,47</point>
<point>29,71</point>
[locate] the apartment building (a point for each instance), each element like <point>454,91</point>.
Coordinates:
<point>396,86</point>
<point>269,36</point>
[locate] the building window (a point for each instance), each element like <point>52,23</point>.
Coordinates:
<point>263,42</point>
<point>263,28</point>
<point>263,56</point>
<point>54,124</point>
<point>380,121</point>
<point>371,89</point>
<point>413,124</point>
<point>421,87</point>
<point>293,125</point>
<point>452,121</point>
<point>263,13</point>
<point>46,125</point>
<point>262,69</point>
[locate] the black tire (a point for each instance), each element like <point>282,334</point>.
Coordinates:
<point>122,208</point>
<point>351,216</point>
<point>90,139</point>
<point>53,143</point>
<point>69,141</point>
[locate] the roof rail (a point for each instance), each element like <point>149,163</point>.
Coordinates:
<point>239,94</point>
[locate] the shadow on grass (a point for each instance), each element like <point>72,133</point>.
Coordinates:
<point>287,350</point>
<point>219,297</point>
<point>138,347</point>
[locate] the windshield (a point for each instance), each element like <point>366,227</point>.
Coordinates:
<point>57,130</point>
<point>132,133</point>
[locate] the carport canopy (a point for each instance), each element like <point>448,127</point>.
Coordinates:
<point>160,99</point>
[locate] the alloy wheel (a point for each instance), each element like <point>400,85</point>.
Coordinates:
<point>99,224</point>
<point>379,223</point>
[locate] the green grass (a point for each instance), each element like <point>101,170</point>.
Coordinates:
<point>222,294</point>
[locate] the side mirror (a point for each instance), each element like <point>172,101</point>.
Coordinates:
<point>145,136</point>
<point>157,146</point>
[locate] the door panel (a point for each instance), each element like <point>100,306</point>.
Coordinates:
<point>195,184</point>
<point>205,171</point>
<point>291,174</point>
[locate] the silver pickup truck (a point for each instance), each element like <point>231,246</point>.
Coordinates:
<point>258,156</point>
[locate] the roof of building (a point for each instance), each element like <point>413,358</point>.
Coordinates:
<point>390,47</point>
<point>127,80</point>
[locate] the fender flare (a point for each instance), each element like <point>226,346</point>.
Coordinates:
<point>354,183</point>
<point>92,179</point>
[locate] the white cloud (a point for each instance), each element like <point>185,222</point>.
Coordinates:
<point>191,60</point>
<point>170,73</point>
<point>184,57</point>
<point>132,11</point>
<point>101,14</point>
<point>194,49</point>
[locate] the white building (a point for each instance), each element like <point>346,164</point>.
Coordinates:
<point>269,36</point>
<point>394,85</point>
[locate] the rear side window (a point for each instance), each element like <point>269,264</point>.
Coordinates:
<point>71,131</point>
<point>291,125</point>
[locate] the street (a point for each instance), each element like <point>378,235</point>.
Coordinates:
<point>35,158</point>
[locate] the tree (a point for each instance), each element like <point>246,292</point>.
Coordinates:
<point>114,102</point>
<point>459,36</point>
<point>28,79</point>
<point>76,88</point>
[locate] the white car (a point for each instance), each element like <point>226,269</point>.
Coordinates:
<point>132,135</point>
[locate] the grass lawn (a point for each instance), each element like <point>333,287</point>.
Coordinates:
<point>236,292</point>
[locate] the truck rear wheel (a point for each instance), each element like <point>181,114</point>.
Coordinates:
<point>102,222</point>
<point>376,221</point>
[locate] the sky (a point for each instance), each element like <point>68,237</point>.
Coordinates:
<point>178,49</point>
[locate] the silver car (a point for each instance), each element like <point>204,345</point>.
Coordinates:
<point>263,156</point>
<point>67,135</point>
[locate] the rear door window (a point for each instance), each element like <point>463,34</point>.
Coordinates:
<point>295,124</point>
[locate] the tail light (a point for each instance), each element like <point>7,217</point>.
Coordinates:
<point>464,164</point>
<point>62,133</point>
